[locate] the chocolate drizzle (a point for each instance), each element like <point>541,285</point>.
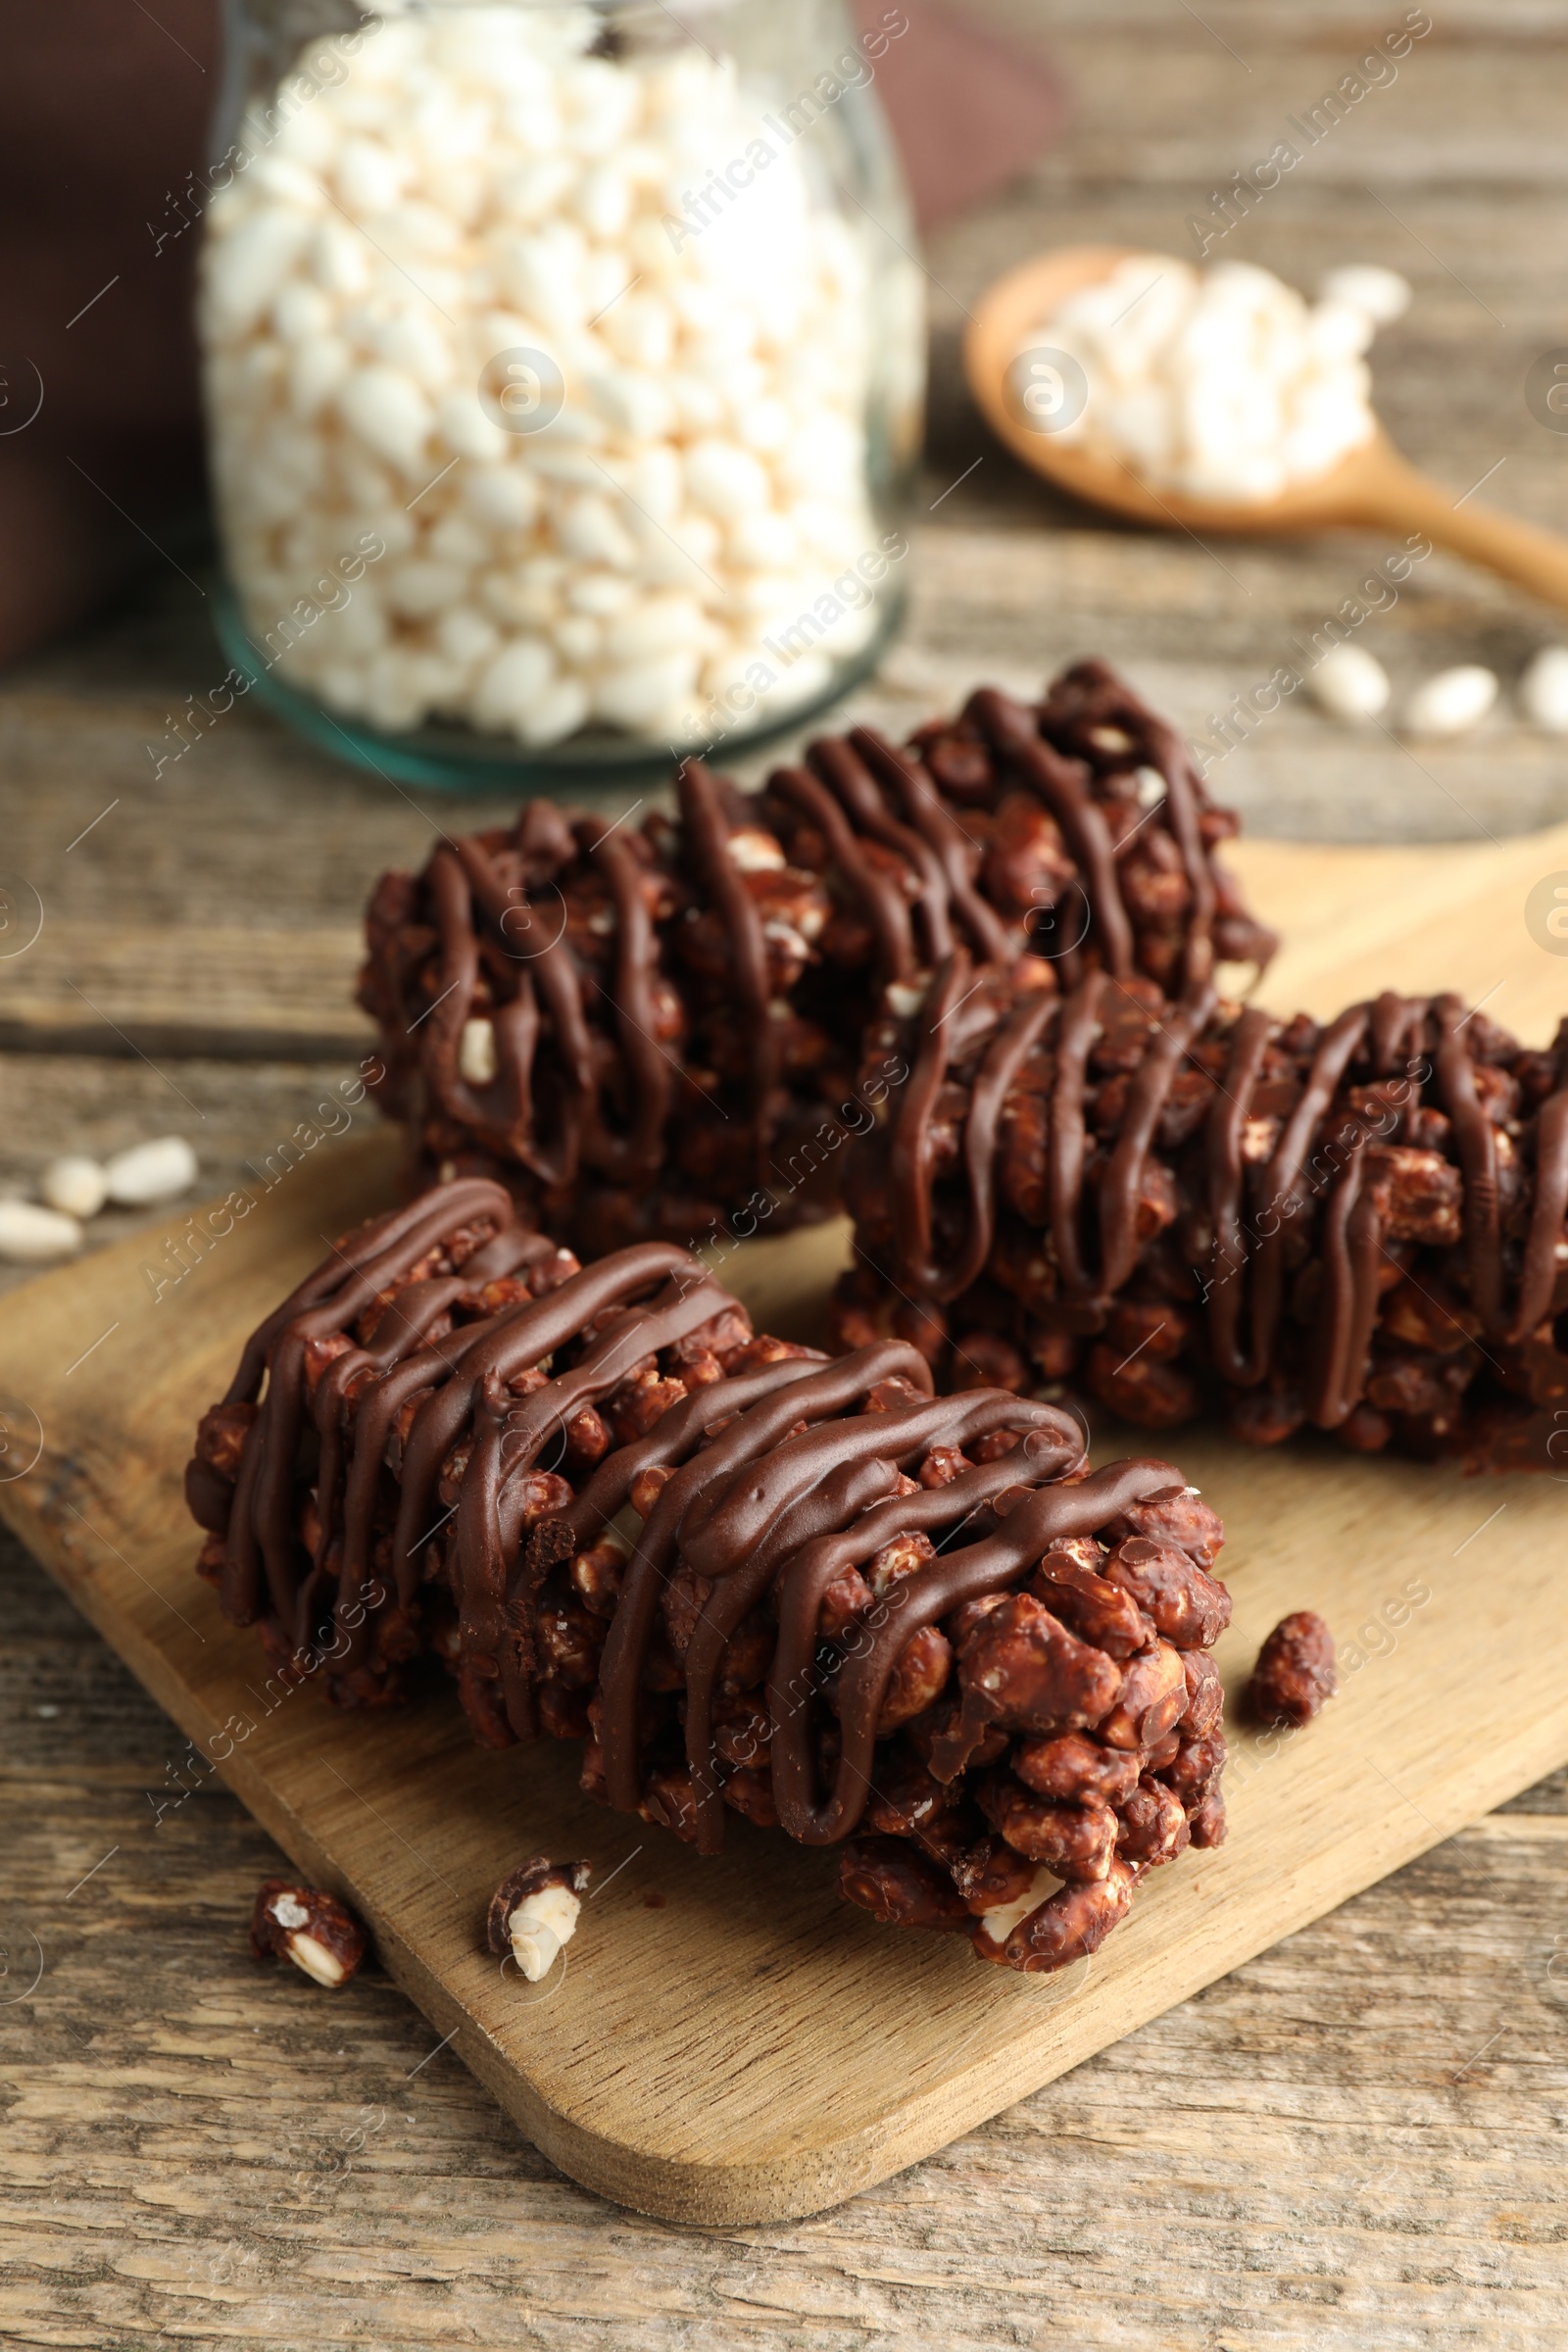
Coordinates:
<point>1092,697</point>
<point>1317,1176</point>
<point>1349,1239</point>
<point>625,1024</point>
<point>707,837</point>
<point>501,920</point>
<point>420,1348</point>
<point>1062,787</point>
<point>1543,1266</point>
<point>739,1514</point>
<point>876,890</point>
<point>260,1542</point>
<point>1036,1021</point>
<point>738,1657</point>
<point>448,1385</point>
<point>916,796</point>
<point>913,1141</point>
<point>1005,1552</point>
<point>518,1435</point>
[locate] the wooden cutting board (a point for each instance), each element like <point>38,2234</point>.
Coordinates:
<point>726,2041</point>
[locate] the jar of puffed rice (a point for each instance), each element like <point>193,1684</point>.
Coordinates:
<point>564,370</point>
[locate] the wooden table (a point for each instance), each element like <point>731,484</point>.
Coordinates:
<point>1354,2141</point>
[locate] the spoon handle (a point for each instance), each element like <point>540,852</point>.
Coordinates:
<point>1394,495</point>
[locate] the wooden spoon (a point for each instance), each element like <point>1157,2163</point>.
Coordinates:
<point>1372,487</point>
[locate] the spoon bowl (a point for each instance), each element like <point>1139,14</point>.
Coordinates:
<point>1371,488</point>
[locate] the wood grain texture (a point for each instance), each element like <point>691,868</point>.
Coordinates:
<point>1425,919</point>
<point>126,989</point>
<point>752,2048</point>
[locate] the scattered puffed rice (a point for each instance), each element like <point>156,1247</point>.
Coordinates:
<point>155,1171</point>
<point>1544,690</point>
<point>75,1185</point>
<point>1452,702</point>
<point>30,1236</point>
<point>1350,683</point>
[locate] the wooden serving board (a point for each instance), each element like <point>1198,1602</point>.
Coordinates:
<point>726,2041</point>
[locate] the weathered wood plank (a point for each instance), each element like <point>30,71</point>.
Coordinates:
<point>126,989</point>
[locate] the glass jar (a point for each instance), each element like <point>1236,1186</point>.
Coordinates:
<point>564,364</point>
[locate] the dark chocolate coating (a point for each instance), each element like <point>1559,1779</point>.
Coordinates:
<point>754,1499</point>
<point>745,1513</point>
<point>448,1354</point>
<point>1315,1178</point>
<point>458,1384</point>
<point>643,1090</point>
<point>1006,1553</point>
